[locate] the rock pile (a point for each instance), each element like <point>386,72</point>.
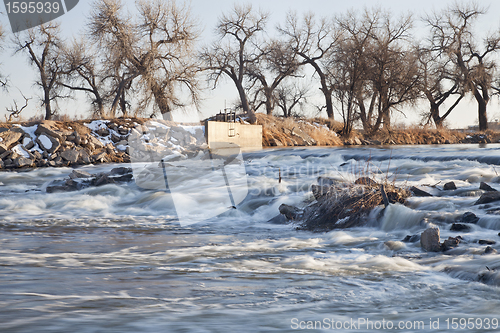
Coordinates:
<point>57,144</point>
<point>79,179</point>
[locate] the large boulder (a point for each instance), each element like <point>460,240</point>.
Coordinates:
<point>70,155</point>
<point>430,240</point>
<point>50,128</point>
<point>75,174</point>
<point>9,139</point>
<point>95,142</point>
<point>20,162</point>
<point>48,143</point>
<point>449,186</point>
<point>488,197</point>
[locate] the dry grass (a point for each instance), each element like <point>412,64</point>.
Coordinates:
<point>278,131</point>
<point>418,135</point>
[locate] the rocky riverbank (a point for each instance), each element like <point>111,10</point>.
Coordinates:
<point>73,143</point>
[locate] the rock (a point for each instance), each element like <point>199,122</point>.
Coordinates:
<point>115,138</point>
<point>394,245</point>
<point>22,162</point>
<point>69,144</point>
<point>411,239</point>
<point>78,139</point>
<point>103,131</point>
<point>48,143</point>
<point>103,180</point>
<point>419,193</point>
<point>122,131</point>
<point>79,174</point>
<point>489,250</point>
<point>70,155</point>
<point>449,186</point>
<point>100,157</point>
<point>28,143</point>
<point>84,157</point>
<point>488,197</point>
<point>459,227</point>
<point>5,154</point>
<point>365,181</point>
<point>51,129</point>
<point>486,242</point>
<point>58,160</point>
<point>8,139</point>
<point>52,163</point>
<point>430,240</point>
<point>110,149</point>
<point>485,187</point>
<point>94,141</point>
<point>469,217</point>
<point>450,243</point>
<point>290,212</point>
<point>120,171</point>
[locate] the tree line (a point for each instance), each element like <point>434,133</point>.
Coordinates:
<point>368,64</point>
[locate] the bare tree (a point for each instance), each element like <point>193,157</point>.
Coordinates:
<point>14,111</point>
<point>82,73</point>
<point>312,41</point>
<point>277,63</point>
<point>391,70</point>
<point>349,59</point>
<point>452,35</point>
<point>42,45</point>
<point>440,82</point>
<point>236,50</point>
<point>291,95</point>
<point>155,50</point>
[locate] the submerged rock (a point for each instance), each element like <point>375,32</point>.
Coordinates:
<point>419,193</point>
<point>486,242</point>
<point>460,227</point>
<point>489,250</point>
<point>430,240</point>
<point>488,197</point>
<point>469,217</point>
<point>411,238</point>
<point>449,186</point>
<point>450,243</point>
<point>290,212</point>
<point>79,179</point>
<point>485,187</point>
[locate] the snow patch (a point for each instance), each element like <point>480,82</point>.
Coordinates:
<point>46,143</point>
<point>20,151</point>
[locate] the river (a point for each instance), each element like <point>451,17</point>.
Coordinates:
<point>115,258</point>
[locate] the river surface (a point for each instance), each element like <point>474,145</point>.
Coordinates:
<point>116,259</point>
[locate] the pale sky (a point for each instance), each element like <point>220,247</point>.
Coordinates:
<point>21,75</point>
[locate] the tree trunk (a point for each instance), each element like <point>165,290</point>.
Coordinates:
<point>481,103</point>
<point>269,100</point>
<point>329,105</point>
<point>244,102</point>
<point>438,121</point>
<point>483,119</point>
<point>46,101</point>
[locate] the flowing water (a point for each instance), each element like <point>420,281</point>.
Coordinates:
<point>114,258</point>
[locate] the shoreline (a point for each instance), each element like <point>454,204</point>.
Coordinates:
<point>28,145</point>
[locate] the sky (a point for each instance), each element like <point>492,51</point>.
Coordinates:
<point>21,74</point>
